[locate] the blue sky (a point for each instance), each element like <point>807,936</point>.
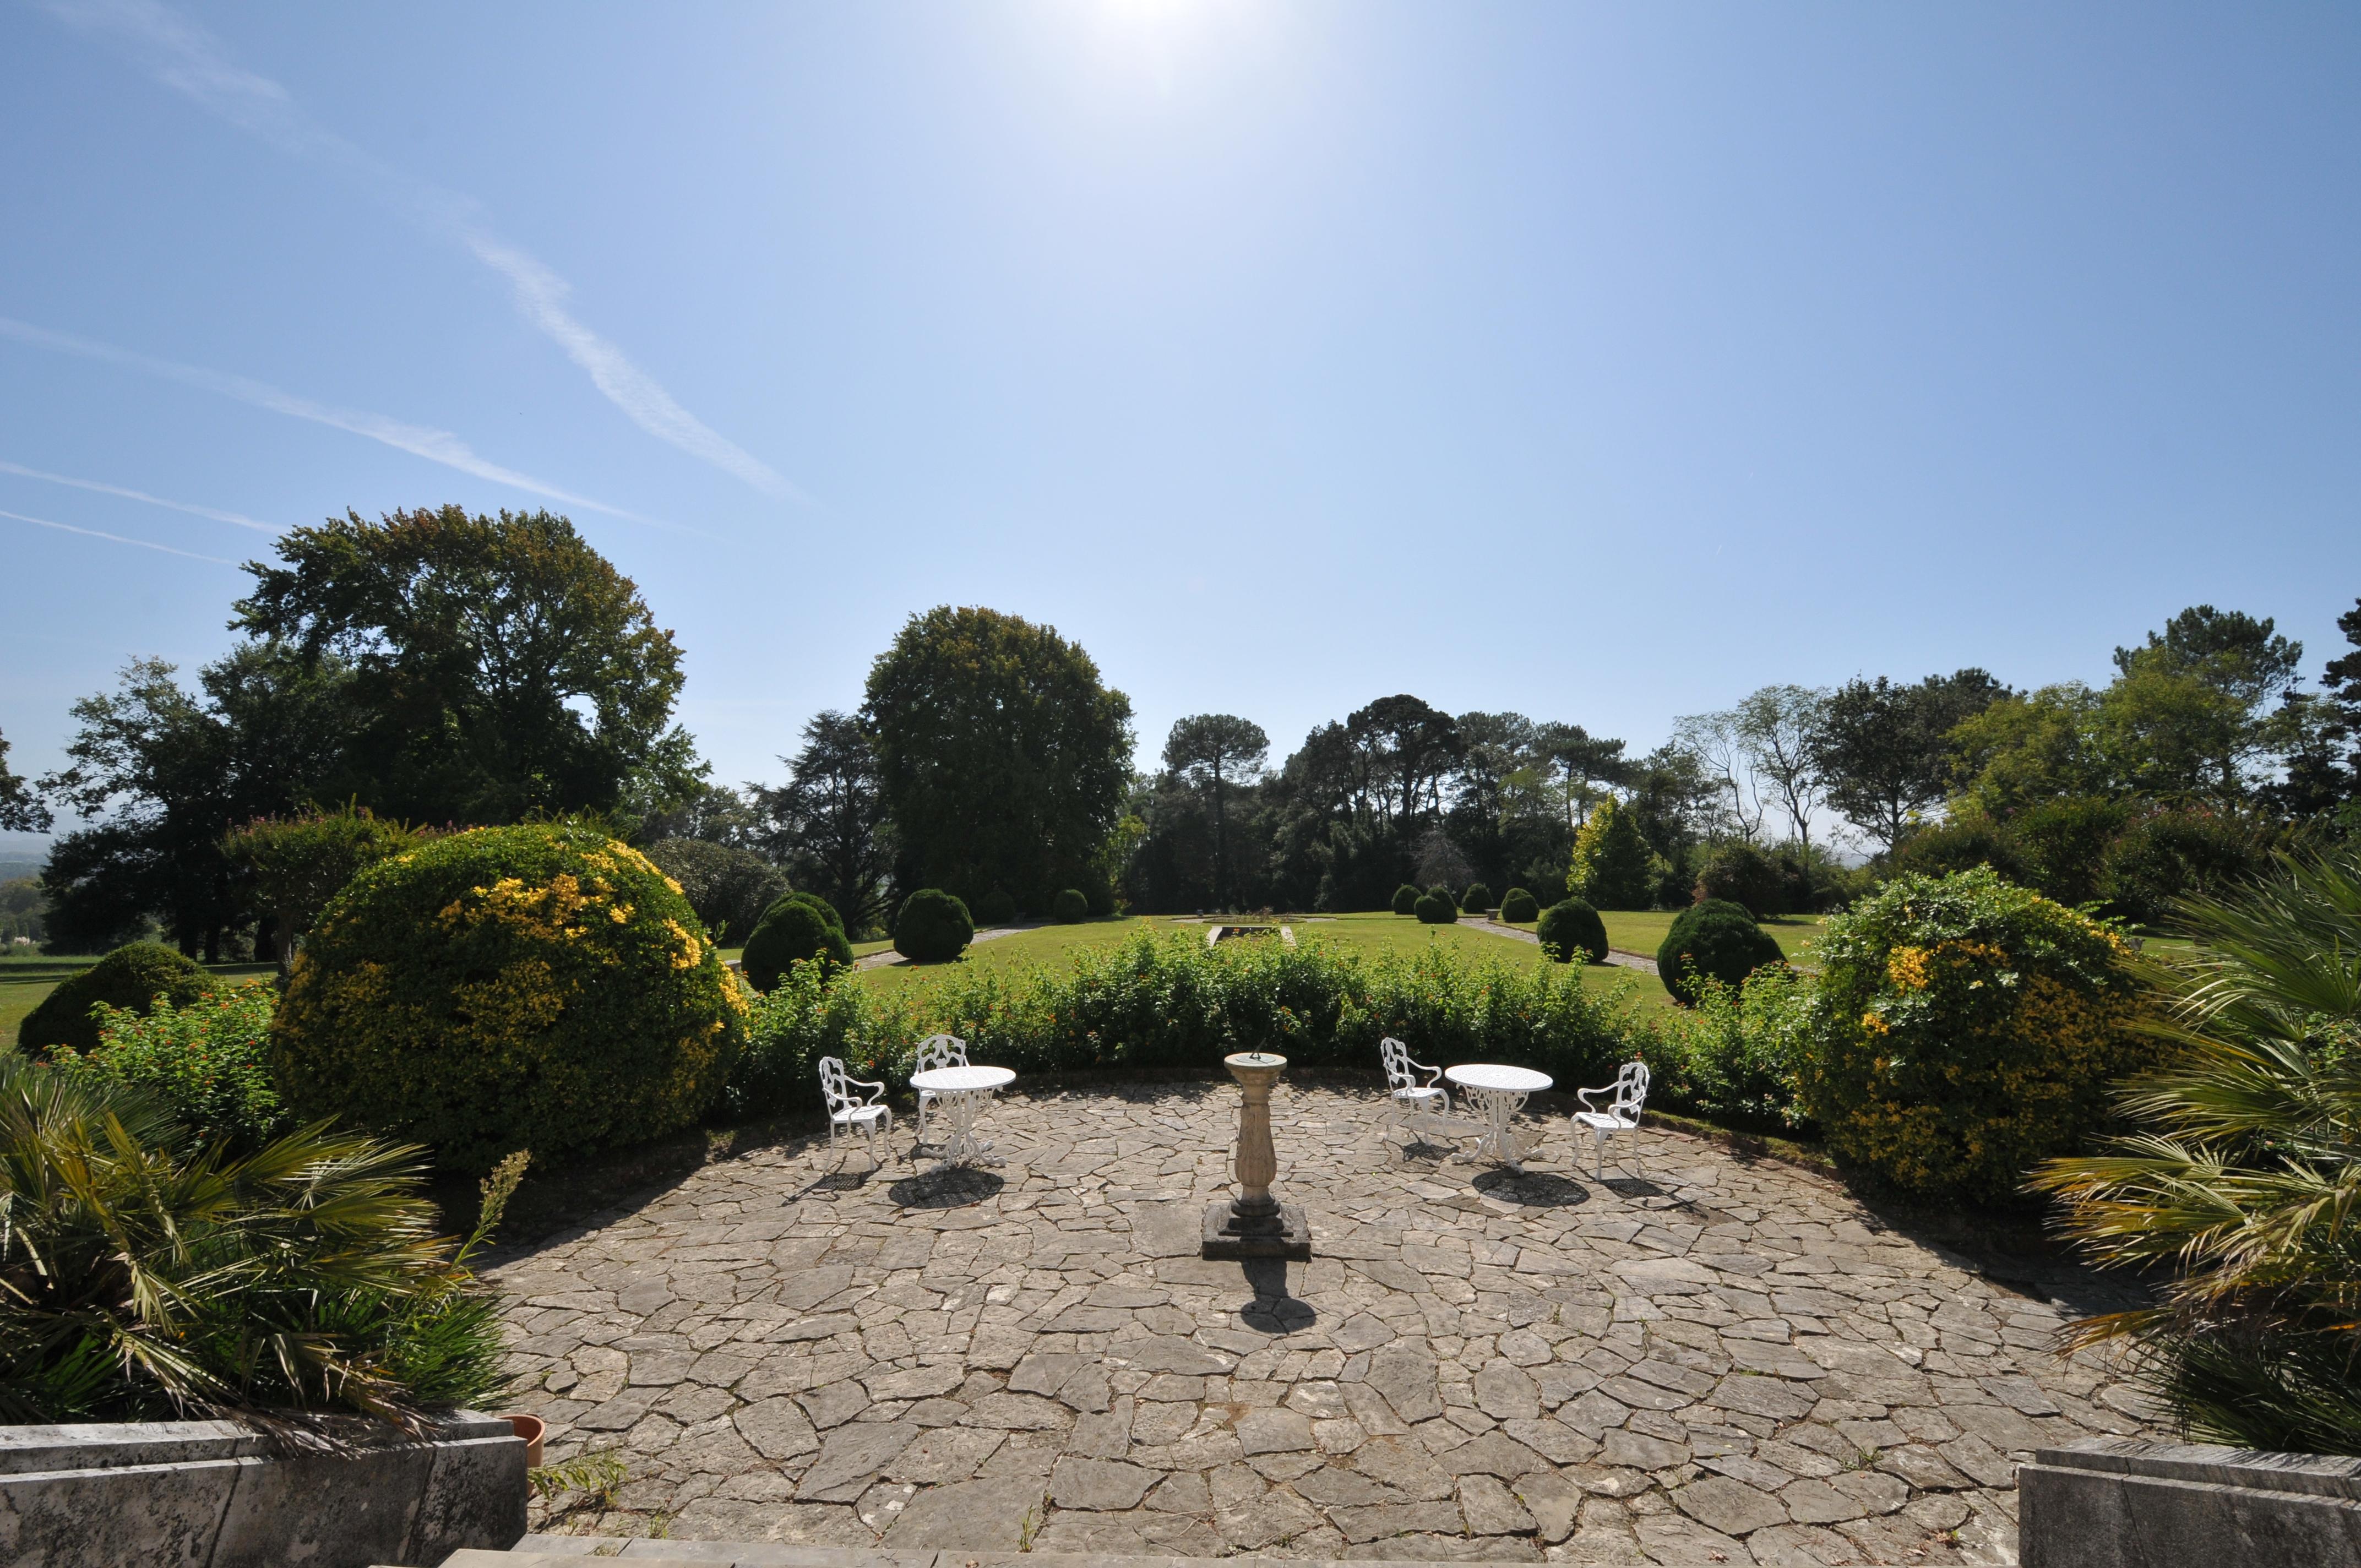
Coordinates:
<point>1600,363</point>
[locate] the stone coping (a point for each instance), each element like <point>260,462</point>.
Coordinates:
<point>114,1445</point>
<point>2316,1475</point>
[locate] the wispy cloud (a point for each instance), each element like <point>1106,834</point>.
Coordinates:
<point>241,519</point>
<point>116,538</point>
<point>184,57</point>
<point>434,446</point>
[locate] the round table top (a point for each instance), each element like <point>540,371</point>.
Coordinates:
<point>951,1079</point>
<point>1490,1075</point>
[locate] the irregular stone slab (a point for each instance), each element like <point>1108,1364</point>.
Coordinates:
<point>1376,1521</point>
<point>1405,1375</point>
<point>1731,1507</point>
<point>1100,1484</point>
<point>972,1516</point>
<point>943,1455</point>
<point>1494,1453</point>
<point>776,1428</point>
<point>1274,1431</point>
<point>1505,1392</point>
<point>1553,1501</point>
<point>849,1458</point>
<point>1488,1508</point>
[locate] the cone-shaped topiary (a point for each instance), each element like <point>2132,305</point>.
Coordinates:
<point>540,986</point>
<point>1436,908</point>
<point>1477,899</point>
<point>997,907</point>
<point>1406,899</point>
<point>1571,930</point>
<point>1518,906</point>
<point>934,927</point>
<point>131,976</point>
<point>1070,907</point>
<point>795,929</point>
<point>1716,939</point>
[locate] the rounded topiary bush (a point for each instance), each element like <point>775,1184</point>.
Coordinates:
<point>1477,899</point>
<point>796,928</point>
<point>1070,907</point>
<point>133,976</point>
<point>1436,907</point>
<point>1571,930</point>
<point>1740,873</point>
<point>1714,940</point>
<point>1518,907</point>
<point>934,927</point>
<point>997,907</point>
<point>538,987</point>
<point>1406,899</point>
<point>1966,1029</point>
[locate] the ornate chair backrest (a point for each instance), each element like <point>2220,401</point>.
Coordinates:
<point>941,1050</point>
<point>831,1085</point>
<point>1396,1059</point>
<point>1631,1090</point>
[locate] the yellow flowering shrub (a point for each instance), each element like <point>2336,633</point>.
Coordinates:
<point>540,987</point>
<point>1965,1030</point>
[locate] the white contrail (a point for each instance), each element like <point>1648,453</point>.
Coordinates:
<point>241,519</point>
<point>434,446</point>
<point>116,538</point>
<point>184,57</point>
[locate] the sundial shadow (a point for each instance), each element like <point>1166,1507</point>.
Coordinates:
<point>1273,1311</point>
<point>954,1188</point>
<point>1532,1189</point>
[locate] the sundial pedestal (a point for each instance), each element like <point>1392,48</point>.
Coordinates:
<point>1255,1223</point>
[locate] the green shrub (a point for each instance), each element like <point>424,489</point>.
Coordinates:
<point>997,907</point>
<point>1070,907</point>
<point>132,976</point>
<point>207,1064</point>
<point>1518,907</point>
<point>539,986</point>
<point>1406,899</point>
<point>1718,941</point>
<point>1961,845</point>
<point>298,863</point>
<point>934,927</point>
<point>1101,893</point>
<point>1966,1030</point>
<point>731,889</point>
<point>1741,1049</point>
<point>2169,855</point>
<point>1436,907</point>
<point>1477,899</point>
<point>794,930</point>
<point>1740,872</point>
<point>148,1279</point>
<point>1612,867</point>
<point>1571,928</point>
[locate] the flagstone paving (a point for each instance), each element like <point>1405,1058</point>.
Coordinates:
<point>1721,1360</point>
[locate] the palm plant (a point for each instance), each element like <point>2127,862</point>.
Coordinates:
<point>2244,1180</point>
<point>141,1276</point>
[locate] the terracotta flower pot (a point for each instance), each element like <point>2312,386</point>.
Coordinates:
<point>532,1429</point>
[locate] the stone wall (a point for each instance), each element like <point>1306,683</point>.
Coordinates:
<point>2123,1503</point>
<point>218,1495</point>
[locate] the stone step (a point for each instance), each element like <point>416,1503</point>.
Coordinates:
<point>570,1551</point>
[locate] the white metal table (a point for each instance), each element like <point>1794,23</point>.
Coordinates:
<point>1499,1092</point>
<point>961,1095</point>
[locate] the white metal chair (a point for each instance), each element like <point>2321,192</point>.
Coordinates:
<point>844,1110</point>
<point>1416,1102</point>
<point>934,1051</point>
<point>1622,1113</point>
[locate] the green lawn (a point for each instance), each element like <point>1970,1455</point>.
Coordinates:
<point>24,982</point>
<point>1643,931</point>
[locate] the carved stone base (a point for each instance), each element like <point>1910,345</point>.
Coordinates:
<point>1284,1235</point>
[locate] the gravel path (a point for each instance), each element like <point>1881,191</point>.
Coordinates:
<point>886,956</point>
<point>1616,956</point>
<point>1728,1361</point>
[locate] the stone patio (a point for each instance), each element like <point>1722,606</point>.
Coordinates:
<point>1725,1361</point>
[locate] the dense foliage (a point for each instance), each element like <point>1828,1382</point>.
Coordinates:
<point>19,812</point>
<point>1570,930</point>
<point>207,1064</point>
<point>1737,1051</point>
<point>1966,1030</point>
<point>298,863</point>
<point>1712,940</point>
<point>1002,757</point>
<point>539,986</point>
<point>2239,1181</point>
<point>143,1278</point>
<point>996,908</point>
<point>1435,907</point>
<point>1518,907</point>
<point>132,977</point>
<point>1611,861</point>
<point>827,822</point>
<point>934,927</point>
<point>1477,899</point>
<point>796,930</point>
<point>1070,907</point>
<point>730,888</point>
<point>1405,900</point>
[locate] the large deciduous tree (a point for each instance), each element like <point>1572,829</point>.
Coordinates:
<point>1780,727</point>
<point>1002,757</point>
<point>20,811</point>
<point>1212,751</point>
<point>1886,750</point>
<point>829,820</point>
<point>499,665</point>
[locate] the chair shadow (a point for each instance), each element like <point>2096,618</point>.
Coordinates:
<point>955,1188</point>
<point>1532,1188</point>
<point>1273,1311</point>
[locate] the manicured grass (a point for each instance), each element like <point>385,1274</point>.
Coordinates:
<point>1643,931</point>
<point>1041,944</point>
<point>24,982</point>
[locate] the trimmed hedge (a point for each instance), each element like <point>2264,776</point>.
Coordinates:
<point>1570,927</point>
<point>1071,907</point>
<point>132,977</point>
<point>1518,907</point>
<point>1406,899</point>
<point>540,987</point>
<point>1715,939</point>
<point>1477,899</point>
<point>795,929</point>
<point>1436,908</point>
<point>934,927</point>
<point>997,907</point>
<point>1966,1030</point>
